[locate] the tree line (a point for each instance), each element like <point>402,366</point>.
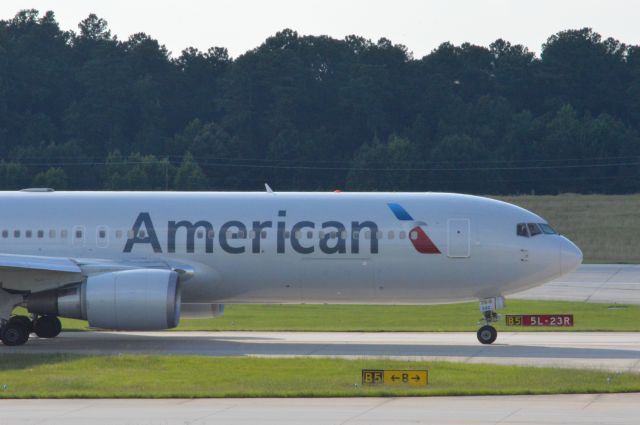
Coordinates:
<point>85,110</point>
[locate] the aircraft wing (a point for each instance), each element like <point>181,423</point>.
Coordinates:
<point>37,273</point>
<point>30,262</point>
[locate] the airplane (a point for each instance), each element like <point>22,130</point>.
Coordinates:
<point>141,260</point>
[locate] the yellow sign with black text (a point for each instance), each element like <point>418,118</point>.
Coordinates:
<point>395,377</point>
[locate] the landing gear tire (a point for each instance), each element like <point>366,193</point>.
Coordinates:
<point>24,321</point>
<point>47,326</point>
<point>14,333</point>
<point>487,334</point>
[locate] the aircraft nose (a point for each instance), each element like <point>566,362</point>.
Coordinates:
<point>570,255</point>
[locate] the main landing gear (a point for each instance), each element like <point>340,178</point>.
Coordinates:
<point>487,334</point>
<point>16,330</point>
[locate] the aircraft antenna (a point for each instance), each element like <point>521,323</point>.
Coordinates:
<point>269,190</point>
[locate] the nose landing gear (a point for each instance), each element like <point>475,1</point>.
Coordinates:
<point>487,334</point>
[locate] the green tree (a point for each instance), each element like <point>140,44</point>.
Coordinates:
<point>54,178</point>
<point>137,172</point>
<point>189,175</point>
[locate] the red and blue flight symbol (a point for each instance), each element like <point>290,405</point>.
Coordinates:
<point>421,242</point>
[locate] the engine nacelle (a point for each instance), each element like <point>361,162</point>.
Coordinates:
<point>143,299</point>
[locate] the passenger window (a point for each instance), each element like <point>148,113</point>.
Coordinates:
<point>309,234</point>
<point>343,234</point>
<point>390,235</point>
<point>210,234</point>
<point>27,234</point>
<point>287,234</point>
<point>321,234</point>
<point>16,233</point>
<point>356,235</point>
<point>52,233</point>
<point>142,234</point>
<point>402,234</point>
<point>102,236</point>
<point>40,234</point>
<point>118,234</point>
<point>5,234</point>
<point>64,233</point>
<point>534,229</point>
<point>130,234</point>
<point>263,234</point>
<point>521,230</point>
<point>379,234</point>
<point>297,235</point>
<point>78,234</point>
<point>413,235</point>
<point>200,234</point>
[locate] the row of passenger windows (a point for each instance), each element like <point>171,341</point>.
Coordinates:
<point>309,234</point>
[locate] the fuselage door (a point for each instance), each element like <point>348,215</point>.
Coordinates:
<point>458,235</point>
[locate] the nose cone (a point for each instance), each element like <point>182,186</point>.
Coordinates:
<point>570,255</point>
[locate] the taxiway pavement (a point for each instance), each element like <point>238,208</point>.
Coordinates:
<point>589,409</point>
<point>619,351</point>
<point>593,283</point>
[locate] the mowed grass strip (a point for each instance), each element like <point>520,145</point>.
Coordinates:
<point>380,318</point>
<point>68,376</point>
<point>605,227</point>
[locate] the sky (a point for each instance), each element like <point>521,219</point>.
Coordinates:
<point>421,25</point>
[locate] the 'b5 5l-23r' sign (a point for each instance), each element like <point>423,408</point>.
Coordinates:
<point>539,320</point>
<point>395,377</point>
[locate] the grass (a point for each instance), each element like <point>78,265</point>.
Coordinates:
<point>376,318</point>
<point>603,226</point>
<point>66,376</point>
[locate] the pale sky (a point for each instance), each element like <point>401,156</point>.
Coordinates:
<point>421,25</point>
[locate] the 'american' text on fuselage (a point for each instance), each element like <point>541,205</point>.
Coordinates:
<point>233,234</point>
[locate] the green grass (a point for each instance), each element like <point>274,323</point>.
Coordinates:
<point>67,376</point>
<point>603,226</point>
<point>375,318</point>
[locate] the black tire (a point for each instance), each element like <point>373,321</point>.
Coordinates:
<point>24,321</point>
<point>487,334</point>
<point>47,326</point>
<point>14,333</point>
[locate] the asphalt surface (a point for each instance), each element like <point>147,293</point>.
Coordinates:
<point>611,409</point>
<point>590,283</point>
<point>612,351</point>
<point>594,283</point>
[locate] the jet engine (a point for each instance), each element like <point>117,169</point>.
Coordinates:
<point>143,299</point>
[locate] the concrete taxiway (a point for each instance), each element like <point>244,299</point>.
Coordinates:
<point>612,409</point>
<point>612,351</point>
<point>594,283</point>
<point>591,283</point>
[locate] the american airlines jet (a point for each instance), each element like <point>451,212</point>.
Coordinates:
<point>135,260</point>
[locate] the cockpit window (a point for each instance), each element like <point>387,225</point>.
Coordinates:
<point>521,229</point>
<point>534,229</point>
<point>548,230</point>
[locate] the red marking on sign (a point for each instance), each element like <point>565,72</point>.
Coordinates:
<point>539,320</point>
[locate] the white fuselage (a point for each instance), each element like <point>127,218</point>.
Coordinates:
<point>295,247</point>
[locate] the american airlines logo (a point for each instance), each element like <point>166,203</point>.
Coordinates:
<point>421,242</point>
<point>237,237</point>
